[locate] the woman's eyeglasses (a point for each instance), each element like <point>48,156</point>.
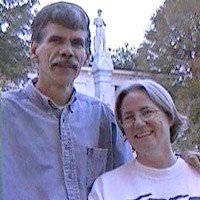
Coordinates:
<point>144,115</point>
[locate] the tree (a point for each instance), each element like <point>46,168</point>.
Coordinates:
<point>188,98</point>
<point>173,36</point>
<point>172,46</point>
<point>16,16</point>
<point>124,58</point>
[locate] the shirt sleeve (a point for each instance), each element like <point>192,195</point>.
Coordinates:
<point>119,151</point>
<point>122,150</point>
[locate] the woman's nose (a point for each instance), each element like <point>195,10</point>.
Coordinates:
<point>138,121</point>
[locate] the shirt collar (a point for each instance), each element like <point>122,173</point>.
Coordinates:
<point>42,101</point>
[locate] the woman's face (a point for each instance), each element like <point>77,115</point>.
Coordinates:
<point>146,126</point>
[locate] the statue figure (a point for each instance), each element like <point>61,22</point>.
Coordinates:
<point>99,39</point>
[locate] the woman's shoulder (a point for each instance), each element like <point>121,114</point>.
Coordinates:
<point>122,172</point>
<point>188,169</point>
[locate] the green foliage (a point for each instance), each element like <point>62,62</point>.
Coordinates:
<point>173,37</point>
<point>124,58</point>
<point>172,46</point>
<point>188,99</point>
<point>15,23</point>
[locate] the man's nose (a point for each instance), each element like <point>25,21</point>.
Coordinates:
<point>67,50</point>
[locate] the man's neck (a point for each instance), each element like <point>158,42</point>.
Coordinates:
<point>60,95</point>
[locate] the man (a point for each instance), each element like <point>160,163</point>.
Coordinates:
<point>55,140</point>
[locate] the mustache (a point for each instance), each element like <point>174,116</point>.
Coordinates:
<point>64,62</point>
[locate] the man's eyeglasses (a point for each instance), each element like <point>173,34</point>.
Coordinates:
<point>145,115</point>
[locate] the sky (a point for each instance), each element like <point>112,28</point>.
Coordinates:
<point>126,20</point>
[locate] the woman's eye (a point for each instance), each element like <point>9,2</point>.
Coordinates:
<point>147,112</point>
<point>129,117</point>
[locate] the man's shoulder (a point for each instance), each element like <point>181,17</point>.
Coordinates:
<point>87,98</point>
<point>12,95</point>
<point>92,101</point>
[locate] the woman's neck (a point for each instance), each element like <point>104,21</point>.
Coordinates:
<point>159,161</point>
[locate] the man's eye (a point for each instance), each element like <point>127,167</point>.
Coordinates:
<point>78,42</point>
<point>55,39</point>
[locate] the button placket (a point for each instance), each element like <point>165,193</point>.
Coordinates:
<point>68,155</point>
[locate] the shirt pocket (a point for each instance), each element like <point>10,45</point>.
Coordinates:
<point>96,164</point>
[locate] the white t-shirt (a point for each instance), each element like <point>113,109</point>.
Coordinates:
<point>135,181</point>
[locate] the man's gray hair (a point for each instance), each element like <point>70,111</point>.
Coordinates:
<point>69,15</point>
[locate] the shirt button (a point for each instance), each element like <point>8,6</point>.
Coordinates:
<point>69,176</point>
<point>67,147</point>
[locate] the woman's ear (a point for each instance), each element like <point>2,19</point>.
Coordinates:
<point>171,121</point>
<point>33,53</point>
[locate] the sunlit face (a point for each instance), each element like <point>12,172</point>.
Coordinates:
<point>59,56</point>
<point>150,134</point>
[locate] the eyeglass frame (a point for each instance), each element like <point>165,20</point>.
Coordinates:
<point>141,116</point>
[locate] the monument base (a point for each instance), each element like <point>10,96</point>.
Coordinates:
<point>102,61</point>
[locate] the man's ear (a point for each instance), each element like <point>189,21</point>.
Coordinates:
<point>87,59</point>
<point>33,53</point>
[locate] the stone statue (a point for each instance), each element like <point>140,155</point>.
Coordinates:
<point>99,39</point>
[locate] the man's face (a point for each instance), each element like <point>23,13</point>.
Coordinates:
<point>59,55</point>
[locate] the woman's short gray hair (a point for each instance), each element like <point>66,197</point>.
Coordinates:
<point>158,95</point>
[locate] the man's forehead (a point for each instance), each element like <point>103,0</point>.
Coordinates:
<point>59,29</point>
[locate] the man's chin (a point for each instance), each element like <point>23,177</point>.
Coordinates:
<point>63,83</point>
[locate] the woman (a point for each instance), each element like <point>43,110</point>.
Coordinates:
<point>148,118</point>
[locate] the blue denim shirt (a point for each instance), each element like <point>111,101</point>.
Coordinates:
<point>56,154</point>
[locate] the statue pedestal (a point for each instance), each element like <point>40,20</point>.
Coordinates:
<point>102,69</point>
<point>102,60</point>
